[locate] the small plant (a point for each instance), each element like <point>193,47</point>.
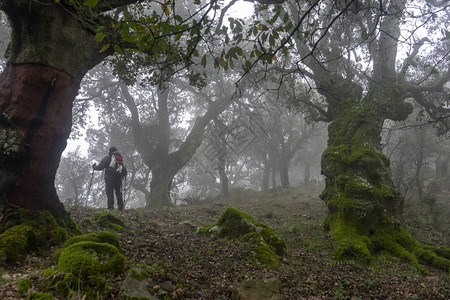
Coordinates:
<point>23,286</point>
<point>340,287</point>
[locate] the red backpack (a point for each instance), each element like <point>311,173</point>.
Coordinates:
<point>117,162</point>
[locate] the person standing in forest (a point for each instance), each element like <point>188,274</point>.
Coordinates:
<point>115,172</point>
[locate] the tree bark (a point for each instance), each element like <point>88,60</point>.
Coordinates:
<point>49,53</point>
<point>266,175</point>
<point>37,102</point>
<point>419,160</point>
<point>284,167</point>
<point>307,172</point>
<point>222,169</point>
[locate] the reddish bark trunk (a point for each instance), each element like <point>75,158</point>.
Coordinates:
<point>37,99</point>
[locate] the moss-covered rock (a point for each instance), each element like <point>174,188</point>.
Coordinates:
<point>22,231</point>
<point>15,242</point>
<point>135,285</point>
<point>262,253</point>
<point>91,258</point>
<point>86,262</point>
<point>235,224</point>
<point>109,221</point>
<point>98,237</point>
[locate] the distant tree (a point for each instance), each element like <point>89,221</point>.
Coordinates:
<point>73,179</point>
<point>159,153</point>
<point>415,151</point>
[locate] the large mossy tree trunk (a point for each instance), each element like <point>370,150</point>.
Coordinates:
<point>365,207</point>
<point>49,53</point>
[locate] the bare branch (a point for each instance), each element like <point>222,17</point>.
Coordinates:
<point>407,61</point>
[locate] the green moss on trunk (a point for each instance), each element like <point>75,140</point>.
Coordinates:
<point>22,231</point>
<point>364,205</point>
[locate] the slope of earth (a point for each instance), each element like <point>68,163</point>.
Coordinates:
<point>190,266</point>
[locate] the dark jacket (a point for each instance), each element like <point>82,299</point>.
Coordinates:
<point>110,173</point>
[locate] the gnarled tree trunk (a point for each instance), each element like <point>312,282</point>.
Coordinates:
<point>364,205</point>
<point>49,53</point>
<point>359,192</point>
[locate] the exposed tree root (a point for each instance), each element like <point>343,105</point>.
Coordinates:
<point>355,241</point>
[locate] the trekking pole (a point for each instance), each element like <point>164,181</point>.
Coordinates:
<point>90,184</point>
<point>125,189</point>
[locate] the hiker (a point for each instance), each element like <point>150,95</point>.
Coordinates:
<point>115,171</point>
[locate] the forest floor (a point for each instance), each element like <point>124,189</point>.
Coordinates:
<point>192,266</point>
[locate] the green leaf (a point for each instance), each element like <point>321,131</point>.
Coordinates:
<point>289,26</point>
<point>178,36</point>
<point>100,36</point>
<point>264,37</point>
<point>179,18</point>
<point>204,61</point>
<point>274,18</point>
<point>126,15</point>
<point>247,65</point>
<point>286,18</point>
<point>124,31</point>
<point>272,40</point>
<point>276,36</point>
<point>231,52</point>
<point>91,3</point>
<point>118,49</point>
<point>105,47</point>
<point>263,7</point>
<point>364,34</point>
